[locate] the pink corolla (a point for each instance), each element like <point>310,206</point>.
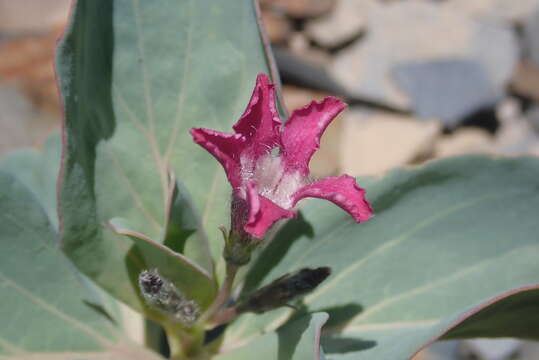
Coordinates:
<point>267,163</point>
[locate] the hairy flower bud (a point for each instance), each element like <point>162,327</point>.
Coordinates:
<point>162,295</point>
<point>283,290</point>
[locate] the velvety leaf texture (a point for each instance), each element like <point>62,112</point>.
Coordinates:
<point>297,340</point>
<point>451,252</point>
<point>135,76</point>
<point>47,313</point>
<point>39,171</point>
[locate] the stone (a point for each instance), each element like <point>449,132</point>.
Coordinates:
<point>374,142</point>
<point>516,135</point>
<point>525,80</point>
<point>465,141</point>
<point>28,61</point>
<point>448,90</point>
<point>443,350</point>
<point>490,349</point>
<point>277,26</point>
<point>303,72</point>
<point>300,8</point>
<point>23,17</point>
<point>21,124</point>
<point>420,31</point>
<point>495,10</point>
<point>347,20</point>
<point>533,117</point>
<point>299,45</point>
<point>531,37</point>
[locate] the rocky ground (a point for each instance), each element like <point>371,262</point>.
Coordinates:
<point>424,79</point>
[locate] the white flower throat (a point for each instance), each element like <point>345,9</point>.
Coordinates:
<point>271,178</point>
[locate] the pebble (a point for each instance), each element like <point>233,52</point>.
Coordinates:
<point>277,26</point>
<point>347,20</point>
<point>300,8</point>
<point>419,31</point>
<point>374,142</point>
<point>446,89</point>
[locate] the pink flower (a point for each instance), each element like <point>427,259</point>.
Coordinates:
<point>267,164</point>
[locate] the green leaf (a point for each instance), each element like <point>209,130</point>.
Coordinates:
<point>38,171</point>
<point>184,233</point>
<point>48,313</point>
<point>193,281</point>
<point>297,340</point>
<point>135,76</point>
<point>448,240</point>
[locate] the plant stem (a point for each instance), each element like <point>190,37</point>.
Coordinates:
<point>224,316</point>
<point>223,295</point>
<point>185,343</point>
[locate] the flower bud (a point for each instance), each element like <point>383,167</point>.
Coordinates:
<point>283,290</point>
<point>161,294</point>
<point>239,244</point>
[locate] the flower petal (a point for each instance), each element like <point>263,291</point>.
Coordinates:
<point>302,132</point>
<point>263,213</point>
<point>342,191</point>
<point>226,148</point>
<point>260,122</point>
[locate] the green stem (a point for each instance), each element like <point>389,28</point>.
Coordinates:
<point>223,295</point>
<point>185,343</point>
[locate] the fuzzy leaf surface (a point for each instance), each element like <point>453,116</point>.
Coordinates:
<point>298,340</point>
<point>38,170</point>
<point>451,253</point>
<point>48,312</point>
<point>135,76</point>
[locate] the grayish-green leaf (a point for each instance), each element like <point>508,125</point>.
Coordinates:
<point>135,76</point>
<point>184,233</point>
<point>297,340</point>
<point>39,171</point>
<point>448,240</point>
<point>193,281</point>
<point>46,311</point>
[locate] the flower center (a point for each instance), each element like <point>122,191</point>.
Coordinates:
<point>273,181</point>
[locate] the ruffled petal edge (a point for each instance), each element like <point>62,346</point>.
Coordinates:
<point>343,192</point>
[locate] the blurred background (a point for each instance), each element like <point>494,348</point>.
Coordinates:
<point>424,79</point>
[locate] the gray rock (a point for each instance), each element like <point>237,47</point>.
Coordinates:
<point>515,11</point>
<point>21,125</point>
<point>531,37</point>
<point>348,19</point>
<point>533,116</point>
<point>490,349</point>
<point>447,90</point>
<point>418,31</point>
<point>32,16</point>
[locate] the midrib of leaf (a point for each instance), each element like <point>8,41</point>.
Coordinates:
<point>54,311</point>
<point>9,347</point>
<point>40,302</point>
<point>208,206</point>
<point>209,202</point>
<point>181,95</point>
<point>148,99</point>
<point>360,318</point>
<point>391,326</point>
<point>125,179</point>
<point>398,241</point>
<point>373,254</point>
<point>386,244</point>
